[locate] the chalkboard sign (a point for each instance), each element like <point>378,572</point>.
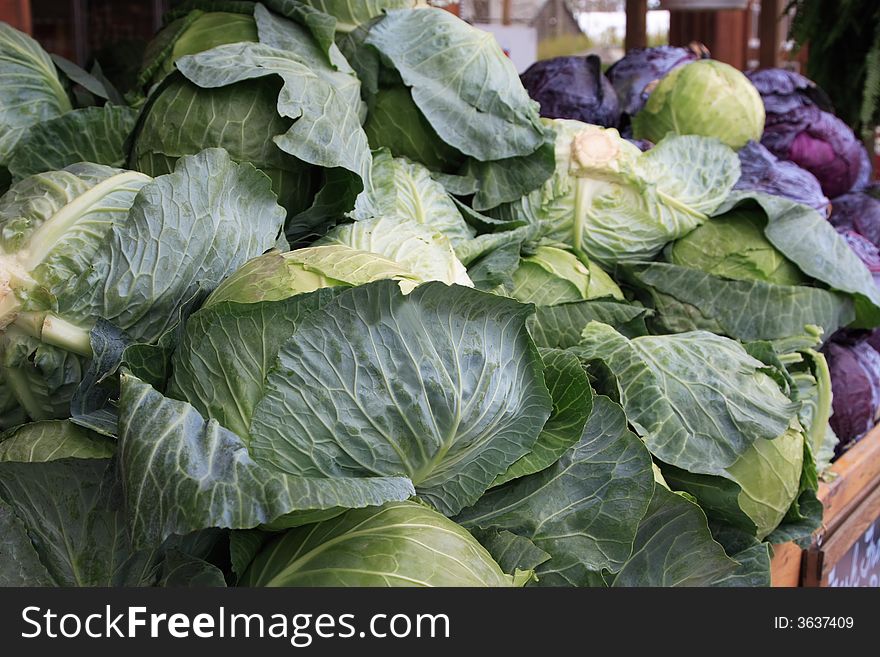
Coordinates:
<point>860,566</point>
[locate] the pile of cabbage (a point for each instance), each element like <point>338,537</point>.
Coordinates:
<point>790,145</point>
<point>314,304</point>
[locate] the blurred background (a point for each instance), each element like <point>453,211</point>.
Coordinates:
<point>528,30</point>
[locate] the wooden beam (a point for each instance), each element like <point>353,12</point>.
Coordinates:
<point>17,13</point>
<point>768,33</point>
<point>636,24</point>
<point>730,36</point>
<point>454,8</point>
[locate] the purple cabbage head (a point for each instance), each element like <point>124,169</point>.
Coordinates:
<point>634,76</point>
<point>855,385</point>
<point>866,170</point>
<point>642,144</point>
<point>819,142</point>
<point>858,212</point>
<point>763,172</point>
<point>785,91</point>
<point>866,251</point>
<point>573,88</point>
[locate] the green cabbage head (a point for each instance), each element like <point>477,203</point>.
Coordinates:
<point>193,33</point>
<point>611,203</point>
<point>706,98</point>
<point>398,544</point>
<point>260,85</point>
<point>734,246</point>
<point>551,276</point>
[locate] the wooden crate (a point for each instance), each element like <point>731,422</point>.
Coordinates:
<point>852,504</point>
<point>785,566</point>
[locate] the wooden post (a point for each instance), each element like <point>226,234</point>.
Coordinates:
<point>454,8</point>
<point>730,36</point>
<point>724,32</point>
<point>17,13</point>
<point>636,24</point>
<point>505,12</point>
<point>768,33</point>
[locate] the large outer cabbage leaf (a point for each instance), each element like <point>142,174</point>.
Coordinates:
<point>61,523</point>
<point>688,300</point>
<point>698,400</point>
<point>32,91</point>
<point>22,565</point>
<point>476,105</point>
<point>226,351</point>
<point>398,544</point>
<point>53,440</point>
<point>186,232</point>
<point>92,243</point>
<point>572,404</point>
<point>92,134</point>
<point>733,246</point>
<point>305,36</point>
<point>503,181</point>
<point>673,547</point>
<point>74,536</point>
<point>443,385</point>
<point>585,509</point>
<point>561,326</point>
<point>752,556</point>
<point>182,473</point>
<point>809,241</point>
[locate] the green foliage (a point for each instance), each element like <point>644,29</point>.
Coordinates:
<point>843,55</point>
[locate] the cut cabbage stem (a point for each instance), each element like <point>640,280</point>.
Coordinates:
<point>584,192</point>
<point>12,277</point>
<point>9,307</point>
<point>52,330</point>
